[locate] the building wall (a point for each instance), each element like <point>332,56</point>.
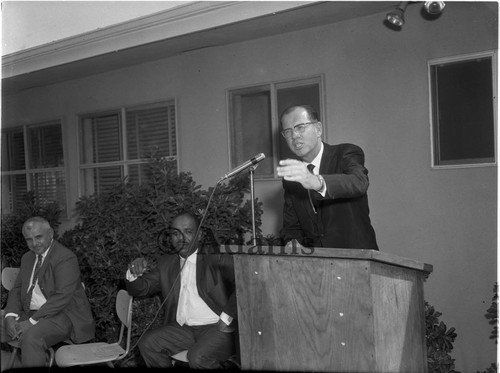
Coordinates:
<point>377,97</point>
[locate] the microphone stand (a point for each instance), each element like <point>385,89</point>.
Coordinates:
<point>252,171</point>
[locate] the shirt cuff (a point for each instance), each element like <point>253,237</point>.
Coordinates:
<point>226,318</point>
<point>33,322</point>
<point>130,277</point>
<point>12,314</point>
<point>322,191</point>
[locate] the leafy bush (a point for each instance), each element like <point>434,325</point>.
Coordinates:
<point>492,316</point>
<point>439,342</point>
<point>493,368</point>
<point>130,220</point>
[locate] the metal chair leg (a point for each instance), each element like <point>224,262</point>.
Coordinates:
<point>15,350</point>
<point>51,356</point>
<point>12,358</point>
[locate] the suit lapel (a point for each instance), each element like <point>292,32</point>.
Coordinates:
<point>204,270</point>
<point>173,272</point>
<point>46,261</point>
<point>327,159</point>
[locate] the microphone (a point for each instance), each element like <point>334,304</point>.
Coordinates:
<point>241,167</point>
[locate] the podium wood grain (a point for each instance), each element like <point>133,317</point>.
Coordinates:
<point>315,313</point>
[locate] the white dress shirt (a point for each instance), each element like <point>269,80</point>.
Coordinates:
<point>37,298</point>
<point>191,309</point>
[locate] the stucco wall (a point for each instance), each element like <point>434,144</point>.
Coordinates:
<point>377,97</point>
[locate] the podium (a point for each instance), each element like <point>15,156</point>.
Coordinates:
<point>325,309</point>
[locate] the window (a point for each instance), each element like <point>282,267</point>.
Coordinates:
<point>115,145</point>
<point>254,120</point>
<point>33,160</point>
<point>463,124</point>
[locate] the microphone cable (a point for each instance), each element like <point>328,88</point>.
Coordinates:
<point>193,241</point>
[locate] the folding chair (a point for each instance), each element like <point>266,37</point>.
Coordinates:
<point>9,276</point>
<point>101,352</point>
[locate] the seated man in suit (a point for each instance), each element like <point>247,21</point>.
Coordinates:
<point>197,286</point>
<point>47,304</point>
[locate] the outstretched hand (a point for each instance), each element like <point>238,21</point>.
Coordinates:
<point>294,170</point>
<point>293,244</point>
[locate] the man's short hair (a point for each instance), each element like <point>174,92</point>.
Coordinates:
<point>37,219</point>
<point>190,214</point>
<point>311,112</point>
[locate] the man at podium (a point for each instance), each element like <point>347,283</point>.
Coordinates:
<point>325,188</point>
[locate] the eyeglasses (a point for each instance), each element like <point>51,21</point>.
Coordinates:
<point>298,128</point>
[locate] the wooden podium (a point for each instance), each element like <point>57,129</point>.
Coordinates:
<point>325,309</point>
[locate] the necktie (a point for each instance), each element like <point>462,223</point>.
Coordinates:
<point>38,265</point>
<point>310,167</point>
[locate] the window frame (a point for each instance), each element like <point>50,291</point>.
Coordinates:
<point>434,126</point>
<point>125,162</point>
<point>29,171</point>
<point>273,88</point>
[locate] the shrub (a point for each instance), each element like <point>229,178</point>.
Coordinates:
<point>439,340</point>
<point>492,316</point>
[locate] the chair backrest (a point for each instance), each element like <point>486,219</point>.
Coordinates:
<point>9,276</point>
<point>124,307</point>
<point>124,312</point>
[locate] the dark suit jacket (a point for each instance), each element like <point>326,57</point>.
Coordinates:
<point>214,280</point>
<point>60,283</point>
<point>342,219</point>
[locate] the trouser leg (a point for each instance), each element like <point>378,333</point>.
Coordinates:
<point>37,339</point>
<point>158,345</point>
<point>211,349</point>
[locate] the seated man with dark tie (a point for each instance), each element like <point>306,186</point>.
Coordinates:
<point>47,304</point>
<point>197,285</point>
